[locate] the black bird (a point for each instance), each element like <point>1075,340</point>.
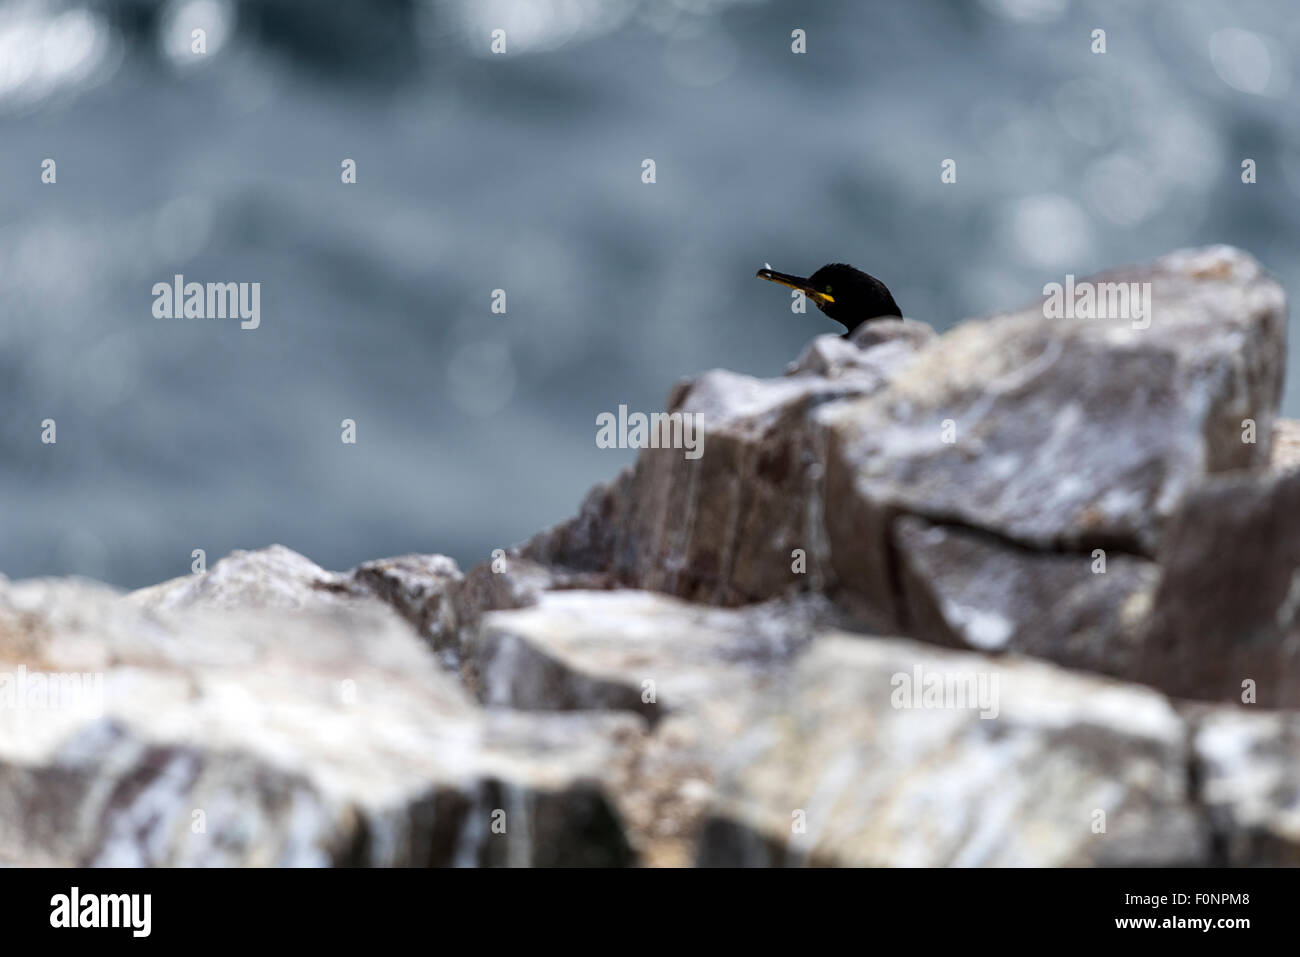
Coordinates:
<point>845,294</point>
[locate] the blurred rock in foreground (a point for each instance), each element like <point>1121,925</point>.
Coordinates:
<point>815,644</point>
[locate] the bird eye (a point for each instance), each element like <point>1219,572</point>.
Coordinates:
<point>828,290</point>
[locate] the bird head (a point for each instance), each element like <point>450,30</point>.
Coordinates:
<point>845,294</point>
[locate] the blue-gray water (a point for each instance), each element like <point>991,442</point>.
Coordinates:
<point>522,172</point>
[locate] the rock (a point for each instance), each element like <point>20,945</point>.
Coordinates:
<point>420,588</point>
<point>509,581</point>
<point>1248,770</point>
<point>770,715</point>
<point>874,353</point>
<point>280,736</point>
<point>1070,439</point>
<point>272,577</point>
<point>632,650</point>
<point>736,524</point>
<point>1286,444</point>
<point>1066,436</point>
<point>423,589</point>
<point>1061,435</point>
<point>835,774</point>
<point>1227,609</point>
<point>693,672</point>
<point>975,591</point>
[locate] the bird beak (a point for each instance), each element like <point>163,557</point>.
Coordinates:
<point>794,282</point>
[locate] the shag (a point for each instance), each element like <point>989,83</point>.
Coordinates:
<point>845,294</point>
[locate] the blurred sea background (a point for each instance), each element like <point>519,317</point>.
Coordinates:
<point>522,172</point>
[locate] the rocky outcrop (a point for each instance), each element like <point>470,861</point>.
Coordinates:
<point>300,729</point>
<point>419,588</point>
<point>1025,593</point>
<point>736,524</point>
<point>776,739</point>
<point>1009,486</point>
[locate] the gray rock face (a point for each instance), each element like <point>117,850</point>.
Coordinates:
<point>965,489</point>
<point>1060,434</point>
<point>970,590</point>
<point>1286,445</point>
<point>1248,767</point>
<point>274,577</point>
<point>776,739</point>
<point>730,527</point>
<point>1079,431</point>
<point>812,645</point>
<point>668,654</point>
<point>324,734</point>
<point>1227,610</point>
<point>694,673</point>
<point>873,354</point>
<point>422,589</point>
<point>1056,771</point>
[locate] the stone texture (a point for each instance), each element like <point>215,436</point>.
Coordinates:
<point>272,577</point>
<point>763,713</point>
<point>1286,444</point>
<point>417,587</point>
<point>876,785</point>
<point>632,650</point>
<point>1248,770</point>
<point>303,736</point>
<point>420,588</point>
<point>970,590</point>
<point>1228,605</point>
<point>874,353</point>
<point>428,591</point>
<point>725,528</point>
<point>510,581</point>
<point>693,672</point>
<point>1065,434</point>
